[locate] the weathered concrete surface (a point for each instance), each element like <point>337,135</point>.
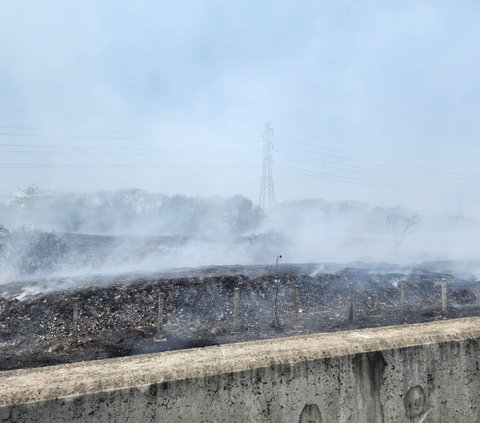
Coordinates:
<point>416,373</point>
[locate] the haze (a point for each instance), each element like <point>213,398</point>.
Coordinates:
<point>146,119</point>
<point>394,87</point>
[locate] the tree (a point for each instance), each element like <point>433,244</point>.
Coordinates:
<point>400,225</point>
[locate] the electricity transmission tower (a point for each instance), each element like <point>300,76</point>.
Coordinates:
<point>267,195</point>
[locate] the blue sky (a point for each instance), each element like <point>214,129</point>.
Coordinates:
<point>370,100</point>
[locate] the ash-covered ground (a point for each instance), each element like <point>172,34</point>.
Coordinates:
<point>118,315</point>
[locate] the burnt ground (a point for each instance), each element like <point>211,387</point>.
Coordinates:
<point>118,315</point>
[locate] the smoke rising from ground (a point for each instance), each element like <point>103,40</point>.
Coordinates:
<point>48,233</point>
<point>373,102</point>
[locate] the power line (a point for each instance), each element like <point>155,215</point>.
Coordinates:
<point>63,136</point>
<point>341,166</point>
<point>87,134</point>
<point>301,157</point>
<point>7,165</point>
<point>94,153</point>
<point>98,131</point>
<point>353,157</point>
<point>304,158</point>
<point>80,147</point>
<point>315,145</point>
<point>310,164</point>
<point>379,167</point>
<point>332,153</point>
<point>336,178</point>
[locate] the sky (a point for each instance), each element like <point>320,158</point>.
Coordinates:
<point>369,101</point>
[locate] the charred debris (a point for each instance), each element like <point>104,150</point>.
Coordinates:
<point>49,321</point>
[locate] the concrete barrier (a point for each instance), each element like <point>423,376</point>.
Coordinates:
<point>416,373</point>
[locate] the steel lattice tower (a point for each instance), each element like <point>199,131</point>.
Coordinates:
<point>267,194</point>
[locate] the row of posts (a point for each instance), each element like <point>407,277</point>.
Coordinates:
<point>444,298</point>
<point>159,337</point>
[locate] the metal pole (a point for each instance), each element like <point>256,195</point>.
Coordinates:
<point>402,297</point>
<point>75,324</point>
<point>277,283</point>
<point>350,302</point>
<point>236,301</point>
<point>160,315</point>
<point>444,297</point>
<point>296,305</point>
<point>160,320</point>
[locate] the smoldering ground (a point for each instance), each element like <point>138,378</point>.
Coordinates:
<point>91,250</point>
<point>119,315</point>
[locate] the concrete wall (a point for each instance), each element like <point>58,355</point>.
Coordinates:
<point>416,373</point>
